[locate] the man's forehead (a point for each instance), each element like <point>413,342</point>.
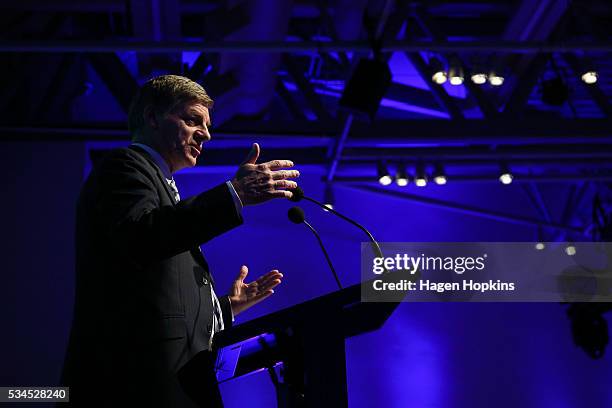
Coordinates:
<point>197,107</point>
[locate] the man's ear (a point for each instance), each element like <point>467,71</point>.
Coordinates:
<point>150,117</point>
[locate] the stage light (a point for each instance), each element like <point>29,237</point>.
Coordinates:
<point>366,88</point>
<point>540,246</point>
<point>496,78</point>
<point>506,178</point>
<point>384,177</point>
<point>456,79</point>
<point>438,75</point>
<point>439,175</point>
<point>588,71</point>
<point>504,175</point>
<point>401,181</point>
<point>570,250</point>
<point>420,178</point>
<point>479,78</point>
<point>455,72</point>
<point>589,77</point>
<point>401,177</point>
<point>478,72</point>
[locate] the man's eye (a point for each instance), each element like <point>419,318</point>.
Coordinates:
<point>190,122</point>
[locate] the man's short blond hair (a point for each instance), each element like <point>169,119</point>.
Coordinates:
<point>164,94</point>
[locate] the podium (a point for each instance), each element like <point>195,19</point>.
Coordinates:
<point>306,342</point>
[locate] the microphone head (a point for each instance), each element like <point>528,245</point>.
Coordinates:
<point>296,215</point>
<point>298,194</point>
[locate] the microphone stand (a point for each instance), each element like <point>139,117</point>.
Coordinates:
<point>324,252</point>
<point>375,245</point>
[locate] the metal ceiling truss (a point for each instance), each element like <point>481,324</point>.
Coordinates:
<point>156,29</point>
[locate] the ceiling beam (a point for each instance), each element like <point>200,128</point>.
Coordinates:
<point>315,47</point>
<point>539,20</point>
<point>116,77</point>
<point>156,20</point>
<point>306,88</point>
<point>533,130</point>
<point>218,154</point>
<point>291,105</point>
<point>400,133</point>
<point>524,86</point>
<point>444,100</point>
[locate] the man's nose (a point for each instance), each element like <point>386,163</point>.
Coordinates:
<point>201,136</point>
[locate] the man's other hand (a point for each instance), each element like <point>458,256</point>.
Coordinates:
<point>244,295</point>
<point>256,183</point>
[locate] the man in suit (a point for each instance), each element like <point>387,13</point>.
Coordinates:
<point>146,306</point>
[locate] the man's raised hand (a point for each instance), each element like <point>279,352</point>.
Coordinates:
<point>244,295</point>
<point>257,183</point>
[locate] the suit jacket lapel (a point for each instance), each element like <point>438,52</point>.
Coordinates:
<point>195,252</point>
<point>160,176</point>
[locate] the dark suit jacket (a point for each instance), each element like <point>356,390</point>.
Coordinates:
<point>143,307</point>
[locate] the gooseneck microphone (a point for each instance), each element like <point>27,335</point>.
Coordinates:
<point>296,215</point>
<point>298,194</point>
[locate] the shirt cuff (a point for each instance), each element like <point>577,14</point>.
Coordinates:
<point>230,308</point>
<point>237,201</point>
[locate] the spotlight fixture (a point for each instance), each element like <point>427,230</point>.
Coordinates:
<point>589,77</point>
<point>384,177</point>
<point>589,74</point>
<point>329,196</point>
<point>570,249</point>
<point>478,78</point>
<point>439,176</point>
<point>455,72</point>
<point>420,178</point>
<point>478,72</point>
<point>366,88</point>
<point>438,75</point>
<point>504,175</point>
<point>496,78</point>
<point>401,177</point>
<point>540,246</point>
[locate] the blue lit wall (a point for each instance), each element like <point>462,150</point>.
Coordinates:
<point>37,278</point>
<point>427,355</point>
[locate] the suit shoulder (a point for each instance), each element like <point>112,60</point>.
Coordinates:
<point>123,158</point>
<point>119,167</point>
<point>122,153</point>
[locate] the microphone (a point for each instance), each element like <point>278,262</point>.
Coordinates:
<point>298,194</point>
<point>296,215</point>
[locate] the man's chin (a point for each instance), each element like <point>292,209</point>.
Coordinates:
<point>191,161</point>
<point>192,157</point>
